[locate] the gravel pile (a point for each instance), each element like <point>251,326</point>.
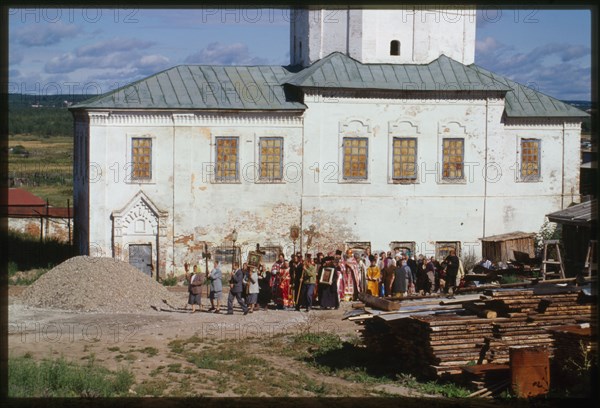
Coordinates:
<point>93,284</point>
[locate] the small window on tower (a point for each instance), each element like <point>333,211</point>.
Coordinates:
<point>395,47</point>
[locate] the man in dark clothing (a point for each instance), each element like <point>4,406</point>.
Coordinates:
<point>236,287</point>
<point>299,265</point>
<point>452,264</point>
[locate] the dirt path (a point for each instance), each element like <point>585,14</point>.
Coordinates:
<point>141,342</point>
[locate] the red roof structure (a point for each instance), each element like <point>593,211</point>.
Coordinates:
<point>23,198</point>
<point>23,204</point>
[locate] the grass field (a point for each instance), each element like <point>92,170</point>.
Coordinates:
<point>48,171</point>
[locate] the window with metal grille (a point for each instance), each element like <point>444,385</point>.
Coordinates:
<point>403,246</point>
<point>530,159</point>
<point>271,254</point>
<point>442,249</point>
<point>225,254</point>
<point>141,157</point>
<point>227,149</point>
<point>358,247</point>
<point>355,158</point>
<point>271,158</point>
<point>404,159</point>
<point>453,159</point>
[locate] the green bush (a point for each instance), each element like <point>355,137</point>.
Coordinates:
<point>32,276</point>
<point>170,281</point>
<point>446,389</point>
<point>13,268</point>
<point>19,149</point>
<point>60,378</point>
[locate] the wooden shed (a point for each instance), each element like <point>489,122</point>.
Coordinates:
<point>579,226</point>
<point>502,247</point>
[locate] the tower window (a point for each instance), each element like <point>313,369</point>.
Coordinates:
<point>300,49</point>
<point>395,47</point>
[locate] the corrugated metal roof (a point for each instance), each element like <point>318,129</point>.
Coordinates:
<point>578,214</point>
<point>203,87</point>
<point>338,70</point>
<point>522,101</point>
<point>262,87</point>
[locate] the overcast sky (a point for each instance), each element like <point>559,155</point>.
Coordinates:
<point>94,51</point>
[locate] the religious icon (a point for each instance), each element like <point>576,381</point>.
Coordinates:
<point>254,259</point>
<point>327,276</point>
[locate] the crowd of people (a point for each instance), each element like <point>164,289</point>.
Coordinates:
<point>306,282</point>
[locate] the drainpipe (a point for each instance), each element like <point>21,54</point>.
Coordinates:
<point>562,171</point>
<point>485,161</point>
<point>301,237</point>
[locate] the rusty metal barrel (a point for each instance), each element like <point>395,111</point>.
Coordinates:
<point>530,371</point>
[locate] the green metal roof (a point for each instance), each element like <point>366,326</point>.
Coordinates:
<point>337,70</point>
<point>203,87</point>
<point>524,102</point>
<point>263,87</point>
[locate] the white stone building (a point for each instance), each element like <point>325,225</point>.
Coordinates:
<point>382,132</point>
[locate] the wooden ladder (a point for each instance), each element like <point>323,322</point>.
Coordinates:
<point>591,263</point>
<point>548,245</point>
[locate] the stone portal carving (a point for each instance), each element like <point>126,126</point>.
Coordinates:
<point>142,222</point>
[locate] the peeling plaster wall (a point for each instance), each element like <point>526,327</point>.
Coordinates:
<point>379,211</point>
<point>514,204</point>
<point>198,209</point>
<point>112,188</point>
<point>54,228</point>
<point>206,211</point>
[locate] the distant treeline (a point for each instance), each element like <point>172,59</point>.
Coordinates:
<point>43,115</point>
<point>47,115</point>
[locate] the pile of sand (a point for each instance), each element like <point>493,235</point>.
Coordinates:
<point>105,285</point>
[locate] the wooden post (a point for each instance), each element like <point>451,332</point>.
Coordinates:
<point>69,219</point>
<point>41,228</point>
<point>206,256</point>
<point>47,226</point>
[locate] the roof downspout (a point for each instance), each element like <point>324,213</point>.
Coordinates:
<point>562,171</point>
<point>174,146</point>
<point>485,163</point>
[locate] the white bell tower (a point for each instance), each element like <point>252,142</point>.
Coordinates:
<point>412,35</point>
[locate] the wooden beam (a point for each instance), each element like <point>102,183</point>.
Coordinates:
<point>378,303</point>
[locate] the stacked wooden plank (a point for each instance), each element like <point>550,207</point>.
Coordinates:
<point>486,377</point>
<point>452,341</point>
<point>435,342</point>
<point>575,346</point>
<point>430,345</point>
<point>531,311</point>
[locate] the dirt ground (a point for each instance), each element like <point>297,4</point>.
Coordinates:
<point>140,342</point>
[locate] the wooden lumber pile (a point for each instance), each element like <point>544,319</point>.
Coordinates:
<point>575,346</point>
<point>378,303</point>
<point>438,340</point>
<point>428,345</point>
<point>531,311</point>
<point>485,377</point>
